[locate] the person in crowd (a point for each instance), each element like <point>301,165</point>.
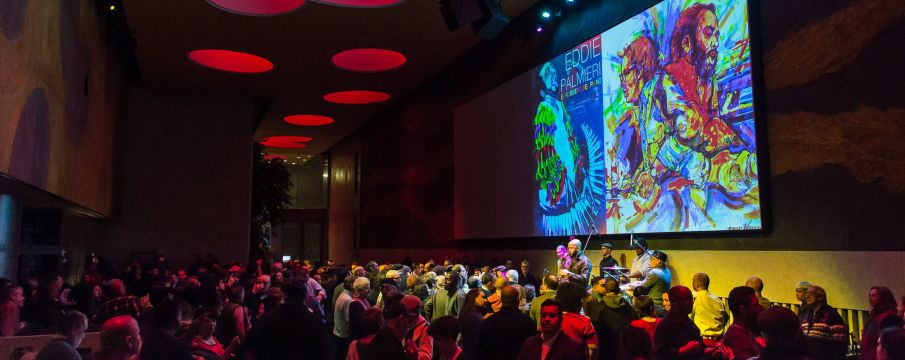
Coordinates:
<point>120,339</point>
<point>666,305</point>
<point>444,331</point>
<point>614,315</point>
<point>291,329</point>
<point>339,275</point>
<point>502,333</point>
<point>487,283</point>
<point>341,318</point>
<point>447,301</point>
<point>757,284</point>
<point>658,278</point>
<point>512,275</point>
<point>470,319</point>
<point>742,336</point>
<point>891,344</point>
<point>570,295</point>
<point>87,296</point>
<point>496,297</point>
<point>316,293</point>
<point>579,266</point>
<point>825,332</point>
<point>361,288</point>
<point>390,343</point>
<point>552,343</point>
<point>547,291</point>
<point>387,286</point>
<point>120,302</point>
<point>606,258</point>
<point>708,313</point>
<point>236,318</point>
<point>677,337</point>
<point>204,344</point>
<point>882,315</point>
<point>636,342</point>
<point>12,299</point>
<point>71,331</point>
<point>648,321</point>
<point>641,262</point>
<point>801,292</point>
<point>525,276</point>
<point>782,335</point>
<point>48,309</point>
<point>594,302</point>
<point>372,323</point>
<point>418,335</point>
<point>160,341</point>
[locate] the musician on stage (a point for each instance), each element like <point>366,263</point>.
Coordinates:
<point>577,266</point>
<point>641,263</point>
<point>607,261</point>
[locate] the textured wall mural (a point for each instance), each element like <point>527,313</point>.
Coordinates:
<point>58,97</point>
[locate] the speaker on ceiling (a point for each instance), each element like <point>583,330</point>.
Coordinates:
<point>486,17</point>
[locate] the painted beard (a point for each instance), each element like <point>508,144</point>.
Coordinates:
<point>704,62</point>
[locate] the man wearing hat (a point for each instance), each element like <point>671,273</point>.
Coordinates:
<point>607,260</point>
<point>641,263</point>
<point>658,278</point>
<point>418,333</point>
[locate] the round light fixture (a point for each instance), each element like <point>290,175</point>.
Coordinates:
<point>368,60</point>
<point>258,7</point>
<point>286,142</point>
<point>231,61</point>
<point>360,3</point>
<point>357,97</point>
<point>308,120</point>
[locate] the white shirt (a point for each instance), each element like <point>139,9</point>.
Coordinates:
<point>641,264</point>
<point>341,314</point>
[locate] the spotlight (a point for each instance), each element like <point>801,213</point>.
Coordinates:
<point>546,14</point>
<point>539,28</point>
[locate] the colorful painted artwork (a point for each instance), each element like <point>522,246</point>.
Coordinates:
<point>669,94</point>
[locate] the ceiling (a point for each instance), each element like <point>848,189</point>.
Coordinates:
<point>300,44</point>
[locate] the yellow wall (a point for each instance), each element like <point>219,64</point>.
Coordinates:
<point>846,276</point>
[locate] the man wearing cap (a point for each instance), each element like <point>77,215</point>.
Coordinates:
<point>418,334</point>
<point>607,260</point>
<point>579,267</point>
<point>658,278</point>
<point>390,342</point>
<point>641,263</point>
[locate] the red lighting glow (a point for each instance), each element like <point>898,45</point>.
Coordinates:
<point>231,61</point>
<point>360,3</point>
<point>286,142</point>
<point>356,97</point>
<point>272,157</point>
<point>308,120</point>
<point>368,60</point>
<point>258,7</point>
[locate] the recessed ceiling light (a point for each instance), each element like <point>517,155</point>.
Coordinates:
<point>286,142</point>
<point>258,7</point>
<point>360,3</point>
<point>368,60</point>
<point>357,97</point>
<point>308,120</point>
<point>231,61</point>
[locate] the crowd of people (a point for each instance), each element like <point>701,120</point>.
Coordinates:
<point>448,310</point>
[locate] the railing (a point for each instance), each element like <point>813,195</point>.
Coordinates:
<point>9,344</point>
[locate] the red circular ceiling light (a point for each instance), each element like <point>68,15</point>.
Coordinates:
<point>258,7</point>
<point>368,60</point>
<point>360,3</point>
<point>308,120</point>
<point>272,157</point>
<point>231,61</point>
<point>286,142</point>
<point>357,97</point>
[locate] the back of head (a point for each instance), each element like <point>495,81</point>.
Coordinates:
<point>611,285</point>
<point>348,282</point>
<point>551,282</point>
<point>488,278</point>
<point>509,297</point>
<point>636,342</point>
<point>740,295</point>
<point>779,325</point>
<point>116,333</point>
<point>700,281</point>
<point>166,315</point>
<point>570,295</point>
<point>892,340</point>
<point>70,321</point>
<point>444,327</point>
<point>512,275</point>
<point>755,283</point>
<point>372,321</point>
<point>644,305</point>
<point>474,282</point>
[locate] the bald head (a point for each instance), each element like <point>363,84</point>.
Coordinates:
<point>121,335</point>
<point>509,296</point>
<point>755,283</point>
